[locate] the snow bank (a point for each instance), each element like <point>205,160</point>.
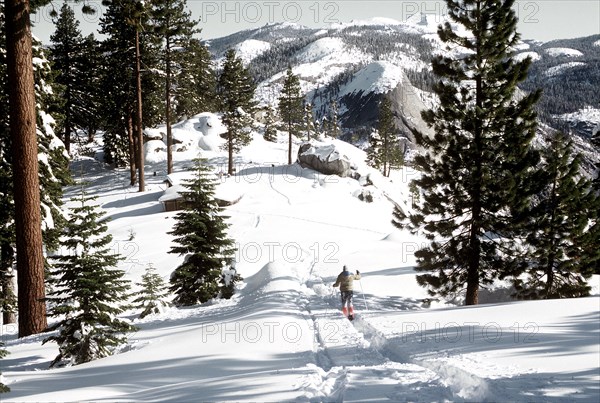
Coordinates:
<point>155,151</point>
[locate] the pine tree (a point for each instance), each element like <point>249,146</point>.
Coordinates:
<point>118,87</point>
<point>477,167</point>
<point>201,235</point>
<point>197,87</point>
<point>152,295</point>
<point>560,237</point>
<point>270,133</point>
<point>333,128</point>
<point>173,27</point>
<point>22,128</point>
<point>388,132</point>
<point>291,107</point>
<point>236,90</point>
<point>384,147</point>
<point>596,144</point>
<point>91,62</point>
<point>374,151</point>
<point>88,290</point>
<point>122,23</point>
<point>72,63</point>
<point>309,120</point>
<point>52,170</point>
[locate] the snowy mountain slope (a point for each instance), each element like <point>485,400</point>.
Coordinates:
<point>567,52</point>
<point>251,48</point>
<point>281,337</point>
<point>557,70</point>
<point>331,64</point>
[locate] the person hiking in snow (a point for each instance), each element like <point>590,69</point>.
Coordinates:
<point>345,280</point>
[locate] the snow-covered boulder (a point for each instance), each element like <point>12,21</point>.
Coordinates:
<point>209,124</point>
<point>211,127</point>
<point>325,159</point>
<point>155,151</point>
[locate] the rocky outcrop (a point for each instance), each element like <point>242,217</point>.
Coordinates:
<point>324,159</point>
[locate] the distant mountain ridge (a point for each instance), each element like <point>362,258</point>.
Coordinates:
<point>356,63</point>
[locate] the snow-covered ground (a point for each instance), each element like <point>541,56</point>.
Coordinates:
<point>282,337</point>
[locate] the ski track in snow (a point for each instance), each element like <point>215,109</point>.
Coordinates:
<point>345,350</point>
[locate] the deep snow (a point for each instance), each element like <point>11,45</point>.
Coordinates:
<point>282,336</point>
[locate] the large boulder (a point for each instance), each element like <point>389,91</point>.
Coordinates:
<point>325,159</point>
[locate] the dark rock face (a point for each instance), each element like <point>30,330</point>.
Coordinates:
<point>324,159</point>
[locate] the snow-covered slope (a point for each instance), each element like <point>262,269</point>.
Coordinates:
<point>376,77</point>
<point>251,48</point>
<point>556,70</point>
<point>282,337</point>
<point>563,52</point>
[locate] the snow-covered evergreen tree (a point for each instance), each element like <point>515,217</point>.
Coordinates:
<point>54,160</point>
<point>477,168</point>
<point>291,108</point>
<point>89,292</point>
<point>236,90</point>
<point>333,126</point>
<point>201,235</point>
<point>309,121</point>
<point>7,230</point>
<point>374,150</point>
<point>270,131</point>
<point>562,242</point>
<point>152,296</point>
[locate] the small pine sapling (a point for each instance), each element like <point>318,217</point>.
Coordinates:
<point>152,296</point>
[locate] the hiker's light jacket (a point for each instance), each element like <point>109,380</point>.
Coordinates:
<point>345,281</point>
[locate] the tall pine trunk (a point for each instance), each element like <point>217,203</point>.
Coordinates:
<point>168,108</point>
<point>230,152</point>
<point>30,258</point>
<point>132,153</point>
<point>140,134</point>
<point>68,125</point>
<point>290,142</point>
<point>474,250</point>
